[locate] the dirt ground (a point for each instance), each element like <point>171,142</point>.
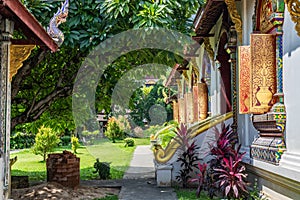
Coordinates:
<point>54,191</point>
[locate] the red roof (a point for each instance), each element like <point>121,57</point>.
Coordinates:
<point>35,33</point>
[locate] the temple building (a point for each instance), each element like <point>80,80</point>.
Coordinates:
<point>245,73</point>
<point>14,16</point>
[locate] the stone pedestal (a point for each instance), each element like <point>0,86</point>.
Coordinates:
<point>164,175</point>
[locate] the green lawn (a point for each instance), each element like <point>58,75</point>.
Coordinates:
<point>115,153</point>
<point>190,194</point>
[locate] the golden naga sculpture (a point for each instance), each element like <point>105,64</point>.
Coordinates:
<point>293,7</point>
<point>162,155</point>
<point>18,54</point>
<point>236,18</point>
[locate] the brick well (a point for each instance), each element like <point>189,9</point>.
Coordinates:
<point>63,168</point>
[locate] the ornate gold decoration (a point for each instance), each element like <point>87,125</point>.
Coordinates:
<point>236,18</point>
<point>164,155</point>
<point>244,79</point>
<point>203,100</point>
<point>18,54</point>
<point>263,73</point>
<point>208,48</point>
<point>266,11</point>
<point>293,7</point>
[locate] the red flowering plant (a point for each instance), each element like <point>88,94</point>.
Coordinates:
<point>231,176</point>
<point>226,172</point>
<point>188,156</point>
<point>200,179</point>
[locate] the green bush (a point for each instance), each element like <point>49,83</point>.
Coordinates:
<point>102,168</point>
<point>45,141</point>
<point>21,140</point>
<point>75,144</point>
<point>65,140</point>
<point>113,131</point>
<point>129,142</point>
<point>89,138</point>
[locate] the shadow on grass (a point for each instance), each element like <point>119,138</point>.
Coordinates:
<point>116,172</point>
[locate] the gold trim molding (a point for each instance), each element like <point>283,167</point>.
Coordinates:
<point>236,18</point>
<point>164,155</point>
<point>18,54</point>
<point>208,48</point>
<point>293,7</point>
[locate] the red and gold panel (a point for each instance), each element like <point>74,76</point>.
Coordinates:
<point>244,79</point>
<point>203,100</point>
<point>263,72</point>
<point>195,102</point>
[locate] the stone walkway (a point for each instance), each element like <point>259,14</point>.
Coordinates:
<point>139,180</point>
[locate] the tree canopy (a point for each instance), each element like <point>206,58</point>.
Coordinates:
<point>42,88</point>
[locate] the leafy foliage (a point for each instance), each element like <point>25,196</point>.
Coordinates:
<point>75,144</point>
<point>20,140</point>
<point>188,157</point>
<point>65,140</point>
<point>226,171</point>
<point>143,101</point>
<point>200,178</point>
<point>102,168</point>
<point>45,141</point>
<point>113,131</point>
<point>129,142</point>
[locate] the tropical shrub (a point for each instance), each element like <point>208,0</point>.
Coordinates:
<point>226,172</point>
<point>113,131</point>
<point>75,144</point>
<point>129,142</point>
<point>21,140</point>
<point>124,124</point>
<point>188,156</point>
<point>200,179</point>
<point>89,137</point>
<point>102,168</point>
<point>45,141</point>
<point>65,140</point>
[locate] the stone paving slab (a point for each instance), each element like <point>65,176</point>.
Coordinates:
<point>139,180</point>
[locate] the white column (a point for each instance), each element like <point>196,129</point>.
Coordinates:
<point>291,82</point>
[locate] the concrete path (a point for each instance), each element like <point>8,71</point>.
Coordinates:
<point>139,180</point>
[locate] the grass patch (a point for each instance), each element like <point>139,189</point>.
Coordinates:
<point>190,194</point>
<point>112,197</point>
<point>117,154</point>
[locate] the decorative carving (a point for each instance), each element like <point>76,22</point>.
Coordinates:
<point>236,18</point>
<point>293,7</point>
<point>244,79</point>
<point>263,73</point>
<point>59,17</point>
<point>18,54</point>
<point>208,48</point>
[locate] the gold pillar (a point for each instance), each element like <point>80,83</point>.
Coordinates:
<point>203,100</point>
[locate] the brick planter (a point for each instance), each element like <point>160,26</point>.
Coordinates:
<point>63,168</point>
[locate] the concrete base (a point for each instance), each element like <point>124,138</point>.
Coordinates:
<point>164,175</point>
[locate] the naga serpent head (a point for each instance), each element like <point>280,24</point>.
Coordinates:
<point>62,14</point>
